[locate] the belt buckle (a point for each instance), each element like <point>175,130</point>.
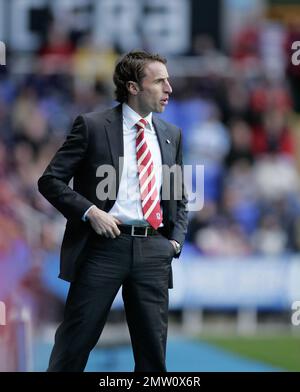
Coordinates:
<point>139,235</point>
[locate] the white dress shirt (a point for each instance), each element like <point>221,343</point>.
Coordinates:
<point>128,206</point>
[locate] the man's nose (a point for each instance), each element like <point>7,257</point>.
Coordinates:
<point>168,88</point>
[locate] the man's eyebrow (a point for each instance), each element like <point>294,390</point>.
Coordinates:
<point>161,78</point>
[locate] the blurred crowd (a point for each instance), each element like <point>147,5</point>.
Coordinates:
<point>239,120</point>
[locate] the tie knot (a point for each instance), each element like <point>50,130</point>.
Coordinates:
<point>141,123</point>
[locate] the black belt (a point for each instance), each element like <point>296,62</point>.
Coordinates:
<point>138,231</point>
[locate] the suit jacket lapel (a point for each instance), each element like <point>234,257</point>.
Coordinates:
<point>162,136</point>
<point>167,161</point>
<point>114,132</point>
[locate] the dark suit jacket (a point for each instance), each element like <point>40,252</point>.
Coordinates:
<point>97,139</point>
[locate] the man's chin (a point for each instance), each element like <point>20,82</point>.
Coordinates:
<point>160,109</point>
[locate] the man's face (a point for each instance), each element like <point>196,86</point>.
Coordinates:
<point>154,90</point>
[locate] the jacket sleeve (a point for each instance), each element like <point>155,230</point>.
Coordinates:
<point>53,184</point>
<point>180,228</point>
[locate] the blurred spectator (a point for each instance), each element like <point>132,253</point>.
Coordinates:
<point>93,61</point>
<point>273,136</point>
<point>246,43</point>
<point>241,143</point>
<point>3,160</point>
<point>201,219</point>
<point>266,96</point>
<point>209,141</point>
<point>240,196</point>
<point>56,54</point>
<point>276,177</point>
<point>235,100</point>
<point>223,238</point>
<point>270,239</point>
<point>208,145</point>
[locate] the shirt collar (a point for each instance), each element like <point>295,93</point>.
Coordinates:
<point>131,117</point>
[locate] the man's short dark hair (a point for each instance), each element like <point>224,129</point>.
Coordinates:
<point>131,68</point>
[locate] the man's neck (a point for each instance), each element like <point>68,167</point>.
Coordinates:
<point>138,110</point>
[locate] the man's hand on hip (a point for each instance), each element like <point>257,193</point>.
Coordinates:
<point>176,246</point>
<point>103,223</point>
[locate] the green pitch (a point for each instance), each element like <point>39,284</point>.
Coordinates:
<point>280,351</point>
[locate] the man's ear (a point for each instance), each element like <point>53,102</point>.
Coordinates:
<point>133,88</point>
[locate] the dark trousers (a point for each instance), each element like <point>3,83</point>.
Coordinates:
<point>141,265</point>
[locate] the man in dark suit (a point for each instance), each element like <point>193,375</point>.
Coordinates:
<point>126,216</point>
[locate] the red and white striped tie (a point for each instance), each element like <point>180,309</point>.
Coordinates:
<point>148,187</point>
